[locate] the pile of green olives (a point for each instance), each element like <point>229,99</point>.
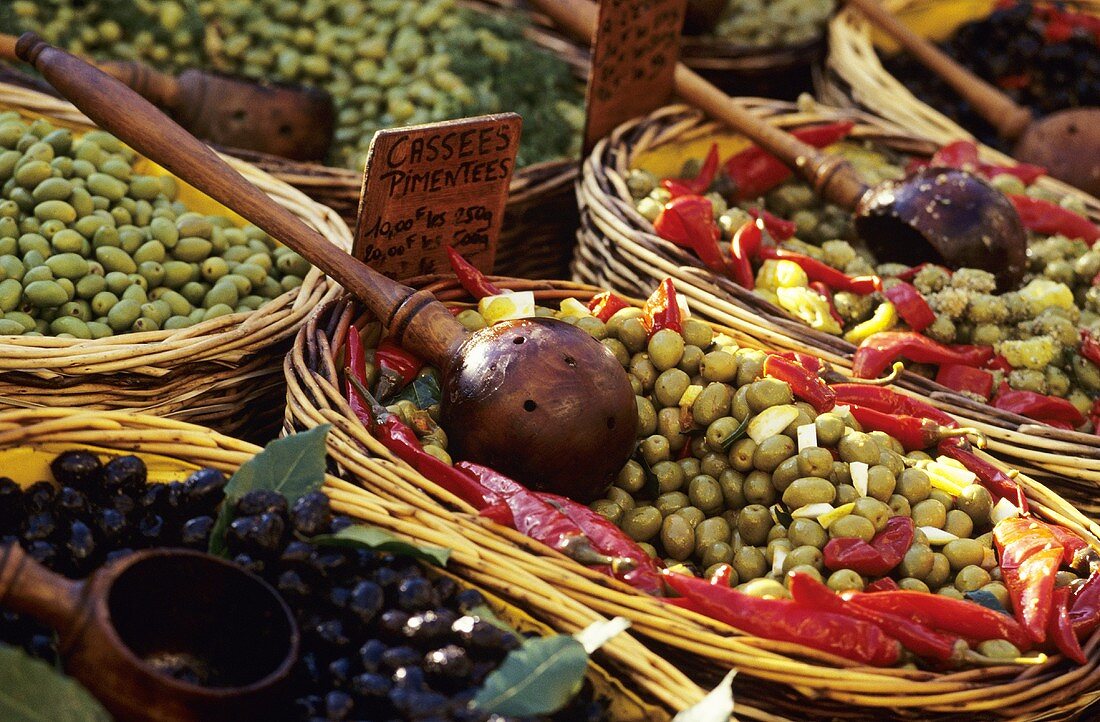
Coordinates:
<point>90,247</point>
<point>775,23</point>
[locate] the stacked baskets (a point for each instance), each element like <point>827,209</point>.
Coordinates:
<point>618,248</point>
<point>223,372</point>
<point>773,676</point>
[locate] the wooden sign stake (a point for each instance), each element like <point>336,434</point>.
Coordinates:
<point>634,55</point>
<point>430,186</point>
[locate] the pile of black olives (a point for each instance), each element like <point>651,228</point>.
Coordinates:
<point>381,638</point>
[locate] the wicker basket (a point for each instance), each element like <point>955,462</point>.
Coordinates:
<point>172,448</point>
<point>780,678</point>
<point>617,248</point>
<point>223,372</point>
<point>853,74</point>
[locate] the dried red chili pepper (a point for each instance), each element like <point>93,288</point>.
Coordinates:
<point>787,621</point>
<point>876,558</point>
<point>1030,555</point>
<point>888,401</point>
<point>995,481</point>
<point>396,366</point>
<point>356,369</point>
<point>743,248</point>
<point>818,271</point>
<point>754,171</point>
<point>964,154</point>
<point>805,384</point>
<point>914,432</point>
<point>1052,219</point>
<point>914,636</point>
<point>662,310</point>
<point>1075,549</point>
<point>955,616</point>
<point>886,584</point>
<point>910,305</point>
<point>912,272</point>
<point>605,305</point>
<point>1084,611</point>
<point>959,377</point>
<point>779,228</point>
<point>688,221</point>
<point>470,278</point>
<point>1090,346</point>
<point>699,184</point>
<point>1060,631</point>
<point>880,350</point>
<point>1038,406</point>
<point>827,293</point>
<point>807,361</point>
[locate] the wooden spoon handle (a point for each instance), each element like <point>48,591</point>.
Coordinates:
<point>1009,118</point>
<point>830,175</point>
<point>415,318</point>
<point>29,588</point>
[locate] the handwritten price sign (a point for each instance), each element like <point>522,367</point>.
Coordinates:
<point>634,56</point>
<point>431,186</point>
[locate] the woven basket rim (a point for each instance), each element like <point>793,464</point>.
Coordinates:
<point>313,397</point>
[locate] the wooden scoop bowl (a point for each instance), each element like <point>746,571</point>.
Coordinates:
<point>292,121</point>
<point>1066,143</point>
<point>537,399</point>
<point>941,215</point>
<point>120,626</point>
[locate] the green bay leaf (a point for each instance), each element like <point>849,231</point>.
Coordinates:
<point>370,537</point>
<point>33,691</point>
<point>538,678</point>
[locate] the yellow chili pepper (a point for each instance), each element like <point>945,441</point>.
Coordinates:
<point>884,319</point>
<point>809,306</point>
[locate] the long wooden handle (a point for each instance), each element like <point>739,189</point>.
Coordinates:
<point>1009,118</point>
<point>29,588</point>
<point>415,318</point>
<point>830,175</point>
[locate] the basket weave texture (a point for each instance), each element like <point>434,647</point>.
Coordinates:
<point>774,678</point>
<point>223,372</point>
<point>618,248</point>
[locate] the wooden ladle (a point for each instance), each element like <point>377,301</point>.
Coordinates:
<point>534,398</point>
<point>292,121</point>
<point>1066,143</point>
<point>121,629</point>
<point>938,214</point>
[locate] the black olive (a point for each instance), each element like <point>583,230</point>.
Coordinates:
<point>370,686</point>
<point>445,589</point>
<point>340,670</point>
<point>391,625</point>
<point>338,597</point>
<point>332,633</point>
<point>122,503</point>
<point>125,473</point>
<point>39,526</point>
<point>481,636</point>
<point>80,469</point>
<point>338,705</point>
<point>467,599</point>
<point>415,594</point>
<point>111,525</point>
<point>309,667</point>
<point>81,545</point>
<point>261,501</point>
<point>450,662</point>
<point>256,566</point>
<point>175,498</point>
<point>311,514</point>
<point>154,498</point>
<point>151,527</point>
<point>292,587</point>
<point>327,563</point>
<point>370,654</point>
<point>310,706</point>
<point>11,505</point>
<point>43,552</point>
<point>420,705</point>
<point>410,676</point>
<point>71,503</point>
<point>297,553</point>
<point>206,489</point>
<point>39,496</point>
<point>397,657</point>
<point>195,533</point>
<point>366,601</point>
<point>341,522</point>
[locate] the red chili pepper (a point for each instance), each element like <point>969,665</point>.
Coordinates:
<point>912,272</point>
<point>964,154</point>
<point>879,350</point>
<point>995,481</point>
<point>699,184</point>
<point>722,575</point>
<point>1030,556</point>
<point>959,377</point>
<point>1061,631</point>
<point>1074,547</point>
<point>914,636</point>
<point>877,558</point>
<point>634,566</point>
<point>1051,219</point>
<point>1038,406</point>
<point>1090,347</point>
<point>743,248</point>
<point>755,172</point>
<point>779,228</point>
<point>911,306</point>
<point>807,361</point>
<point>787,621</point>
<point>998,363</point>
<point>955,616</point>
<point>888,401</point>
<point>357,365</point>
<point>886,584</point>
<point>819,271</point>
<point>1057,31</point>
<point>688,221</point>
<point>805,384</point>
<point>397,367</point>
<point>473,280</point>
<point>914,432</point>
<point>605,305</point>
<point>827,293</point>
<point>662,310</point>
<point>1084,612</point>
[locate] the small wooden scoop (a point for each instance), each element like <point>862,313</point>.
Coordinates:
<point>292,121</point>
<point>939,214</point>
<point>535,398</point>
<point>122,628</point>
<point>1066,143</point>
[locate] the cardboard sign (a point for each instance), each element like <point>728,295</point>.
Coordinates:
<point>431,186</point>
<point>634,56</point>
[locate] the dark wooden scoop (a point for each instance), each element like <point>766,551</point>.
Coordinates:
<point>121,630</point>
<point>292,121</point>
<point>535,398</point>
<point>1066,143</point>
<point>917,219</point>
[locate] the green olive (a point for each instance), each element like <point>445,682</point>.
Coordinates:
<point>841,473</point>
<point>706,494</point>
<point>668,426</point>
<point>666,348</point>
<point>971,578</point>
<point>694,515</point>
<point>768,392</point>
<point>647,415</point>
<point>631,477</point>
<point>697,333</point>
<point>899,506</point>
<point>873,510</point>
<point>608,509</point>
<point>787,471</point>
<point>930,512</point>
<point>963,553</point>
<point>977,502</point>
<point>655,448</point>
<point>620,497</point>
<point>642,524</point>
<point>944,498</point>
<point>713,464</point>
<point>807,532</point>
<point>809,490</point>
<point>880,483</point>
<point>749,563</point>
<point>998,649</point>
<point>765,588</point>
<point>754,522</point>
<point>805,555</point>
<point>717,553</point>
<point>732,485</point>
<point>815,461</point>
<point>742,454</point>
<point>691,360</point>
<point>914,485</point>
<point>857,446</point>
<point>633,335</point>
<point>671,502</point>
<point>958,523</point>
<point>670,386</point>
<point>843,580</point>
<point>758,488</point>
<point>719,366</point>
<point>677,537</point>
<point>917,562</point>
<point>1000,591</point>
<point>913,585</point>
<point>750,365</point>
<point>614,345</point>
<point>941,571</point>
<point>845,494</point>
<point>771,452</point>
<point>852,526</point>
<point>712,404</point>
<point>739,406</point>
<point>670,476</point>
<point>711,531</point>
